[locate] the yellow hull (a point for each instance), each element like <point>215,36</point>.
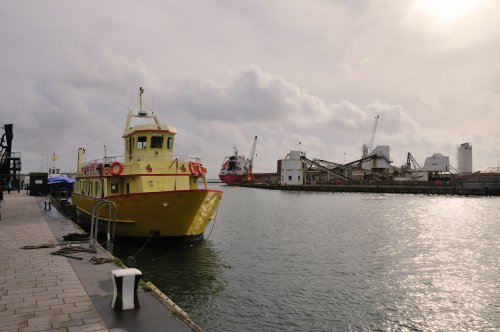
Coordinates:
<point>171,213</point>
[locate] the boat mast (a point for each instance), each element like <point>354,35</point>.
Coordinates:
<point>141,114</point>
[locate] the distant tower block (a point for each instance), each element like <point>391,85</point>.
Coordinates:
<point>465,159</point>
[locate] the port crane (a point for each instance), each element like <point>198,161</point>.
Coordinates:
<point>410,160</point>
<point>252,153</point>
<point>372,138</point>
<point>368,147</point>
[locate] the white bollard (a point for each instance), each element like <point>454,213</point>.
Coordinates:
<point>125,282</point>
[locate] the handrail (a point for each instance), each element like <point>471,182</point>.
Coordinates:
<point>97,166</point>
<point>94,224</point>
<point>141,157</point>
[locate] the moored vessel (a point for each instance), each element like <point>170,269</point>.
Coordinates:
<point>154,190</point>
<point>238,169</point>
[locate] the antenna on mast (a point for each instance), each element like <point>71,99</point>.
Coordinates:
<point>141,111</point>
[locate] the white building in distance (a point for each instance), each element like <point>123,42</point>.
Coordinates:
<point>292,169</point>
<point>464,159</point>
<point>382,158</point>
<point>437,163</point>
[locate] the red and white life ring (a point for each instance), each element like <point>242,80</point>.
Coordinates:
<point>112,170</point>
<point>193,168</point>
<point>201,169</point>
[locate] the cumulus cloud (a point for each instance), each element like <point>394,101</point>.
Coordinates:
<point>226,117</point>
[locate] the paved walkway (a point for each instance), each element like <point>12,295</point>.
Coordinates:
<point>43,292</point>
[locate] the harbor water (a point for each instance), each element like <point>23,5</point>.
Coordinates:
<point>304,261</point>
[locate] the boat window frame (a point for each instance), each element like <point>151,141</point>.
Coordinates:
<point>141,145</point>
<point>170,143</point>
<point>115,187</point>
<point>157,139</point>
<point>130,145</point>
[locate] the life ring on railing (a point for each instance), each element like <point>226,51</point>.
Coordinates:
<point>201,169</point>
<point>112,168</point>
<point>193,168</point>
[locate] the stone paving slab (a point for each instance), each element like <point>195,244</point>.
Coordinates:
<point>43,292</point>
<point>37,289</point>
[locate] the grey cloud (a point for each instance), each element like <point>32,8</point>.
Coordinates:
<point>321,71</point>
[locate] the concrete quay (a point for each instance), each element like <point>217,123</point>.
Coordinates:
<point>44,292</point>
<point>393,187</point>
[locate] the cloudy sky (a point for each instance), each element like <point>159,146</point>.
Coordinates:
<point>222,71</point>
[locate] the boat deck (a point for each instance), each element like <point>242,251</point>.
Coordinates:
<point>40,291</point>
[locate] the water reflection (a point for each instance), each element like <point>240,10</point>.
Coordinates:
<point>442,268</point>
<point>280,261</point>
<point>190,276</point>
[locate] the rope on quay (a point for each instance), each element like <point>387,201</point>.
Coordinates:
<point>67,251</point>
<point>100,260</point>
<point>174,308</point>
<point>40,246</point>
<point>76,237</point>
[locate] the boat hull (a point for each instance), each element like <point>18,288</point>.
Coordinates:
<point>235,178</point>
<point>170,214</point>
<point>254,178</point>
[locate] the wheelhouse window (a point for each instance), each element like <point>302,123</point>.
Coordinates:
<point>114,188</point>
<point>142,142</point>
<point>170,143</point>
<point>156,142</point>
<point>130,144</point>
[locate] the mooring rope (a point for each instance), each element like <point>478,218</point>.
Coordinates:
<point>213,224</point>
<point>131,259</point>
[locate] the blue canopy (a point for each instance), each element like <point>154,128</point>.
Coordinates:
<point>60,178</point>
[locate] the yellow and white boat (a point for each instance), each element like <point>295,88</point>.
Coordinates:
<point>154,191</point>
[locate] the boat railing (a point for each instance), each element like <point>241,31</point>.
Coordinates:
<point>96,166</point>
<point>156,157</point>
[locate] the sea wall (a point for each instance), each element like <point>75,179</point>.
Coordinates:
<point>472,187</point>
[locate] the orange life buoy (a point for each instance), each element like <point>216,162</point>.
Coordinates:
<point>202,170</point>
<point>193,168</point>
<point>112,168</point>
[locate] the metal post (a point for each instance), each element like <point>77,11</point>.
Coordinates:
<point>94,226</point>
